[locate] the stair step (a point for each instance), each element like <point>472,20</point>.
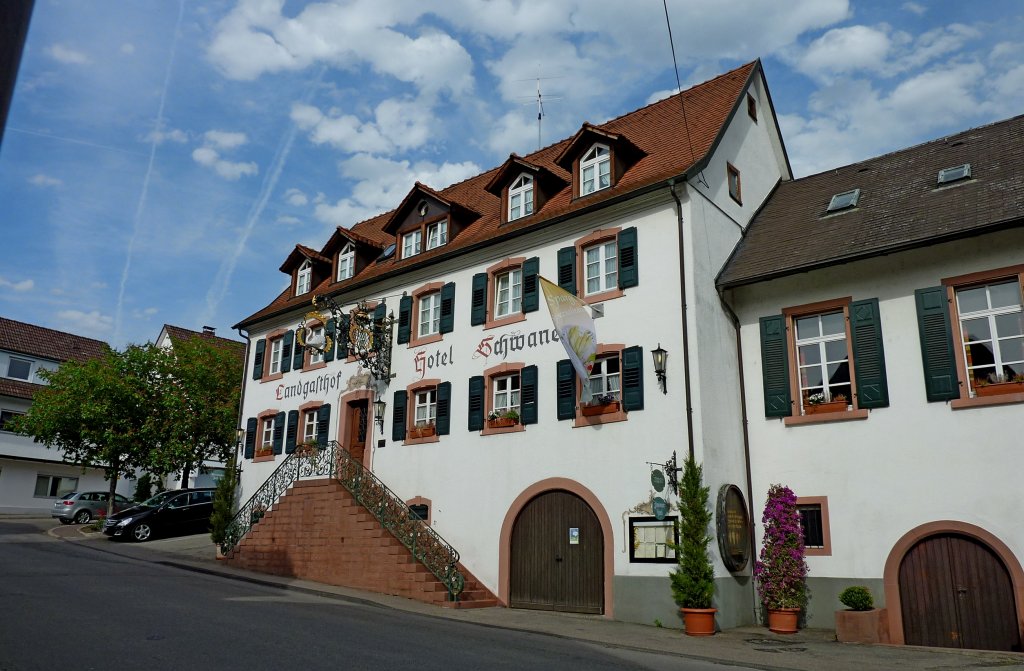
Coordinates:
<point>482,603</point>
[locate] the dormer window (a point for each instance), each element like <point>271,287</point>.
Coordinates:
<point>411,243</point>
<point>437,234</point>
<point>304,280</point>
<point>520,197</point>
<point>346,262</point>
<point>595,170</point>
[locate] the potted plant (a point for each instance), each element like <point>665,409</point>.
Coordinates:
<point>422,430</point>
<point>997,385</point>
<point>223,507</point>
<point>861,622</point>
<point>307,448</point>
<point>502,419</point>
<point>820,403</point>
<point>266,450</point>
<point>693,579</point>
<point>781,573</point>
<point>602,404</point>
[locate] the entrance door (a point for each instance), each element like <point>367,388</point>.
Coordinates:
<point>557,556</point>
<point>956,593</point>
<point>356,440</point>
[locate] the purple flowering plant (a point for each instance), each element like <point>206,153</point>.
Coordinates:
<point>781,573</point>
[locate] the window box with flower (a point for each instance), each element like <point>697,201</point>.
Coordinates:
<point>997,385</point>
<point>602,404</point>
<point>423,430</point>
<point>497,420</point>
<point>818,403</point>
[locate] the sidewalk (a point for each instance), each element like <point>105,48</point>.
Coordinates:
<point>809,650</point>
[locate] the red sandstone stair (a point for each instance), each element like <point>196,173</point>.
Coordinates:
<point>318,531</point>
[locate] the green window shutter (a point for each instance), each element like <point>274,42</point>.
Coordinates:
<point>628,263</point>
<point>567,269</point>
<point>331,331</point>
<point>257,361</point>
<point>566,381</point>
<point>531,287</point>
<point>478,314</point>
<point>940,377</point>
<point>287,342</point>
<point>323,424</point>
<point>342,332</point>
<point>528,386</point>
<point>444,409</point>
<point>279,421</point>
<point>297,359</point>
<point>404,319</point>
<point>775,367</point>
<point>868,354</point>
<point>476,403</point>
<point>633,378</point>
<point>251,426</point>
<point>292,432</point>
<point>398,415</point>
<point>447,321</point>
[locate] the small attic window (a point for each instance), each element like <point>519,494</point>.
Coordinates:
<point>388,252</point>
<point>843,201</point>
<point>304,280</point>
<point>954,174</point>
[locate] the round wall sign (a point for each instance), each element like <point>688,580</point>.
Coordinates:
<point>658,480</point>
<point>660,507</point>
<point>733,526</point>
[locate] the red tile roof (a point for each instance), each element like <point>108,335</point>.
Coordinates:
<point>657,131</point>
<point>47,343</point>
<point>179,333</point>
<point>18,388</point>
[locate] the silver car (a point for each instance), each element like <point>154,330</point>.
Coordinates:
<point>83,507</point>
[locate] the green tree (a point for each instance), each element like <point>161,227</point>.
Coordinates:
<point>199,385</point>
<point>100,412</point>
<point>223,504</point>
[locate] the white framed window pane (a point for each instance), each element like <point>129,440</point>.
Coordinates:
<point>972,300</point>
<point>309,428</point>
<point>426,407</point>
<point>528,201</point>
<point>430,314</point>
<point>275,356</point>
<point>315,356</point>
<point>833,323</point>
<point>411,244</point>
<point>1006,294</point>
<point>588,180</point>
<point>19,368</point>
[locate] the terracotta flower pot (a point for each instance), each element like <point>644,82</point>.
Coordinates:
<point>999,388</point>
<point>831,406</point>
<point>599,409</point>
<point>699,621</point>
<point>783,620</point>
<point>501,422</point>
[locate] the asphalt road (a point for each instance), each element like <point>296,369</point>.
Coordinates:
<point>71,606</point>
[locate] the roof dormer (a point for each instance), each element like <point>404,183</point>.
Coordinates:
<point>597,159</point>
<point>349,253</point>
<point>426,221</point>
<point>523,188</point>
<point>307,267</point>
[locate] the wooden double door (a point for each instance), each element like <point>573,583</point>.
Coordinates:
<point>557,556</point>
<point>956,593</point>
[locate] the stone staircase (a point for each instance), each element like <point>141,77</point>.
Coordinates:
<point>318,531</point>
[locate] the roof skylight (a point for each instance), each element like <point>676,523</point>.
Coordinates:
<point>956,173</point>
<point>842,201</point>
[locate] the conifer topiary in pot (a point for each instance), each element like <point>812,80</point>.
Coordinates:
<point>693,580</point>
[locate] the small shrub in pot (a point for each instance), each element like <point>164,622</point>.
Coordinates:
<point>857,598</point>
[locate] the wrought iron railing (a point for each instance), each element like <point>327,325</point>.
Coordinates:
<point>425,544</point>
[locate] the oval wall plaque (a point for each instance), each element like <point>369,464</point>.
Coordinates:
<point>657,480</point>
<point>660,507</point>
<point>733,526</point>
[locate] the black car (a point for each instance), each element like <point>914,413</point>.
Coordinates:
<point>170,513</point>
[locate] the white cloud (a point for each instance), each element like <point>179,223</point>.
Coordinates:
<point>65,54</point>
<point>143,314</point>
<point>210,157</point>
<point>296,197</point>
<point>24,285</point>
<point>398,124</point>
<point>225,139</point>
<point>513,132</point>
<point>915,8</point>
<point>44,180</point>
<point>127,48</point>
<point>289,220</point>
<point>86,323</point>
<point>846,50</point>
<point>170,135</point>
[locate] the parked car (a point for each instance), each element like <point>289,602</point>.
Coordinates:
<point>170,513</point>
<point>82,507</point>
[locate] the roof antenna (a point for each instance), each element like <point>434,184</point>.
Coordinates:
<point>679,91</point>
<point>540,105</point>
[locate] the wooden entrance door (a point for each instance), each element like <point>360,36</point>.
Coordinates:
<point>548,570</point>
<point>956,593</point>
<point>355,441</point>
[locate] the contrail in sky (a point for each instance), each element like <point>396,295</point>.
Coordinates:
<point>145,182</point>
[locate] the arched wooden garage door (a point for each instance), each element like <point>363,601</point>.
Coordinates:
<point>956,593</point>
<point>553,567</point>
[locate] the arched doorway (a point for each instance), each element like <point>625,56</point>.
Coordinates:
<point>956,592</point>
<point>557,555</point>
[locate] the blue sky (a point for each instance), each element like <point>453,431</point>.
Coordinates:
<point>162,158</point>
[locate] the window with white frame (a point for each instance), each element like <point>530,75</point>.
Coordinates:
<point>437,234</point>
<point>520,197</point>
<point>823,358</point>
<point>992,331</point>
<point>411,243</point>
<point>652,539</point>
<point>508,293</point>
<point>425,407</point>
<point>506,394</point>
<point>276,346</point>
<point>267,435</point>
<point>346,262</point>
<point>595,170</point>
<point>605,377</point>
<point>304,281</point>
<point>19,369</point>
<point>601,272</point>
<point>429,321</point>
<point>316,334</point>
<point>309,426</point>
<point>50,486</point>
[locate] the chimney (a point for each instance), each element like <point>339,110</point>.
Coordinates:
<point>209,330</point>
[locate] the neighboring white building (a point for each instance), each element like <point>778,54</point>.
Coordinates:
<point>32,476</point>
<point>897,283</point>
<point>636,216</point>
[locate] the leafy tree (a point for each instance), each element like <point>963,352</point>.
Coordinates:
<point>144,487</point>
<point>100,412</point>
<point>199,384</point>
